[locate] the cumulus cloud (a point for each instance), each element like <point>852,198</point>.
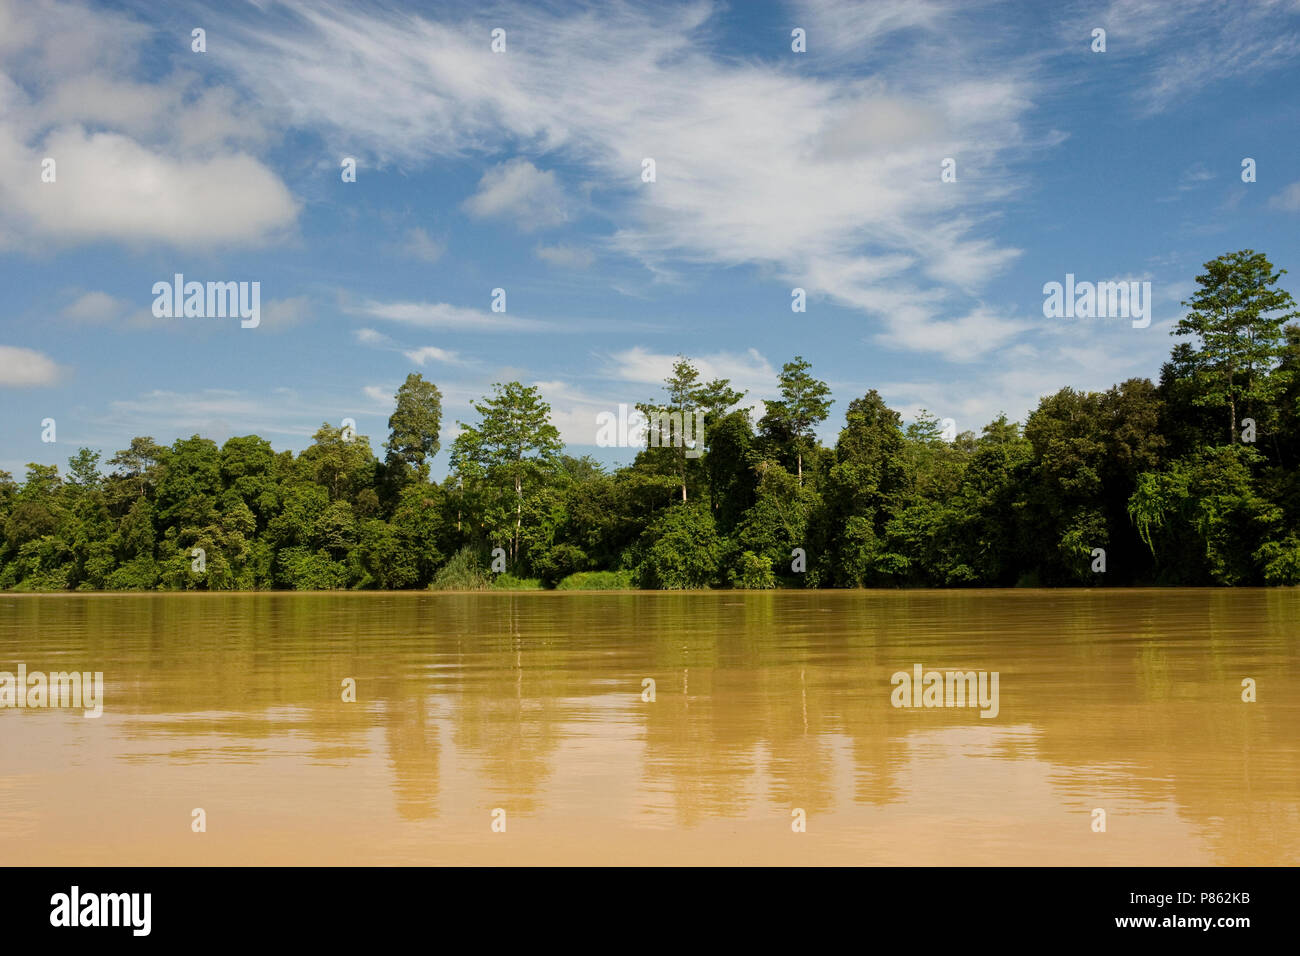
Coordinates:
<point>163,161</point>
<point>26,368</point>
<point>521,192</point>
<point>110,187</point>
<point>95,308</point>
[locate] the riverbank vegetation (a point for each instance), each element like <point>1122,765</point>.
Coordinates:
<point>1191,480</point>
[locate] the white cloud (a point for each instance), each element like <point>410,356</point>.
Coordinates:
<point>95,308</point>
<point>520,191</point>
<point>1184,47</point>
<point>826,179</point>
<point>962,339</point>
<point>431,353</point>
<point>110,187</point>
<point>26,368</point>
<point>574,411</point>
<point>164,161</point>
<point>372,337</point>
<point>748,371</point>
<point>442,315</point>
<point>418,245</point>
<point>379,394</point>
<point>851,26</point>
<point>1288,199</point>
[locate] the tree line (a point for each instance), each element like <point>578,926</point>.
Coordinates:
<point>1188,481</point>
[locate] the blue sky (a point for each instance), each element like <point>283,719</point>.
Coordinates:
<point>521,170</point>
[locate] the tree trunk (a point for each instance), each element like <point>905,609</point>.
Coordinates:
<point>519,518</point>
<point>799,455</point>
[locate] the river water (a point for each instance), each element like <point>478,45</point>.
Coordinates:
<point>501,728</point>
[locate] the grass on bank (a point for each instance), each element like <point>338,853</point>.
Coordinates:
<point>465,572</point>
<point>597,581</point>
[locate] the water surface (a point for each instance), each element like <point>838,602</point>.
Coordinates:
<point>532,703</point>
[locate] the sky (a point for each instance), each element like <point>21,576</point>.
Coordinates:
<point>523,169</point>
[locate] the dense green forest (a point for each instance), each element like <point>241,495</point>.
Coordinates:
<point>1191,481</point>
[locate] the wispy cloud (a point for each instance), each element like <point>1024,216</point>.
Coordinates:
<point>1288,199</point>
<point>417,244</point>
<point>430,353</point>
<point>442,315</point>
<point>1182,48</point>
<point>831,182</point>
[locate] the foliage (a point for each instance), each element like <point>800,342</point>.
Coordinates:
<point>463,572</point>
<point>752,572</point>
<point>597,581</point>
<point>681,550</point>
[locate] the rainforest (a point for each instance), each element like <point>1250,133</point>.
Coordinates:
<point>1190,479</point>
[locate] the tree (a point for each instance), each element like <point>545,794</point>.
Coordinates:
<point>682,550</point>
<point>139,463</point>
<point>716,399</point>
<point>513,444</point>
<point>83,470</point>
<point>248,467</point>
<point>803,406</point>
<point>1238,318</point>
<point>189,482</point>
<point>862,484</point>
<point>340,461</point>
<point>413,426</point>
<point>682,397</point>
<point>730,468</point>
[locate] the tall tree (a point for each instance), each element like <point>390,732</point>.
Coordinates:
<point>683,399</point>
<point>513,443</point>
<point>139,463</point>
<point>716,398</point>
<point>862,483</point>
<point>805,403</point>
<point>413,426</point>
<point>1238,318</point>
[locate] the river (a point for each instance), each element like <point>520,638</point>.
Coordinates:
<point>501,728</point>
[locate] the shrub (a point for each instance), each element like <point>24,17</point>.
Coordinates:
<point>508,582</point>
<point>462,573</point>
<point>752,572</point>
<point>598,581</point>
<point>682,549</point>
